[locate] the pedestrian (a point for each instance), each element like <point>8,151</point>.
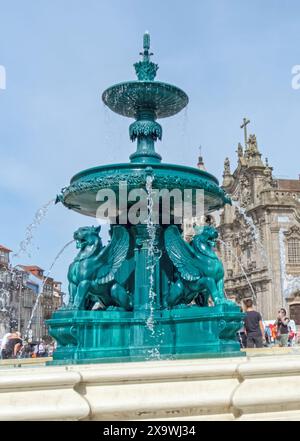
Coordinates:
<point>291,337</point>
<point>13,345</point>
<point>34,351</point>
<point>282,323</point>
<point>41,349</point>
<point>273,329</point>
<point>50,350</point>
<point>26,351</point>
<point>254,326</point>
<point>3,345</point>
<point>242,337</point>
<point>268,335</point>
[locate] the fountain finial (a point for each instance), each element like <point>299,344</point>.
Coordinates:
<point>145,69</point>
<point>146,41</point>
<point>145,100</point>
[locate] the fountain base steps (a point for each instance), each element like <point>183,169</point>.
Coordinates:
<point>118,336</point>
<point>232,389</point>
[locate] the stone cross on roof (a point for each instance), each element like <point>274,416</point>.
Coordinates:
<point>244,126</point>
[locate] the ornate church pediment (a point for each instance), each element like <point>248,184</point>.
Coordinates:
<point>293,232</point>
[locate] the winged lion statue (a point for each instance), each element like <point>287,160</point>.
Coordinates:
<point>199,271</point>
<point>92,274</point>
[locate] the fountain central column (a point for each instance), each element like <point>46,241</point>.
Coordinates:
<point>147,268</point>
<point>146,130</point>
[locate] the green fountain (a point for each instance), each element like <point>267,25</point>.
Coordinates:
<point>146,294</point>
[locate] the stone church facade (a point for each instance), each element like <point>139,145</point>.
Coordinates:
<point>260,234</point>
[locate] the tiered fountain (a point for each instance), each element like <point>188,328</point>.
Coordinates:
<point>146,294</point>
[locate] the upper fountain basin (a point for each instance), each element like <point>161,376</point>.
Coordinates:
<point>81,194</point>
<point>129,98</point>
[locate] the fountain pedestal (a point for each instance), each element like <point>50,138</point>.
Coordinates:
<point>112,336</point>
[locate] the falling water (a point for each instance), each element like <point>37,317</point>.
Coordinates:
<point>290,284</point>
<point>184,123</point>
<point>25,244</point>
<point>151,250</point>
<point>4,299</point>
<point>241,266</point>
<point>43,284</point>
<point>154,353</point>
<point>110,134</point>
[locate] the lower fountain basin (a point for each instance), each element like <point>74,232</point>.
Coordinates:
<point>81,195</point>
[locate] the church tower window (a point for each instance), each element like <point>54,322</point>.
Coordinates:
<point>294,251</point>
<point>227,251</point>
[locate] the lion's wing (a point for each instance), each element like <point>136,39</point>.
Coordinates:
<point>113,255</point>
<point>182,255</point>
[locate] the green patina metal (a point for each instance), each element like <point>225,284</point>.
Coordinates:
<point>145,295</point>
<point>146,69</point>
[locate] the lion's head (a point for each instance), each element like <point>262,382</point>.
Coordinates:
<point>87,237</point>
<point>207,235</point>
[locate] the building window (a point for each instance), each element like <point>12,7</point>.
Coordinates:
<point>227,251</point>
<point>3,256</point>
<point>294,251</point>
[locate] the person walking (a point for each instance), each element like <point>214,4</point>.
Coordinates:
<point>254,326</point>
<point>282,323</point>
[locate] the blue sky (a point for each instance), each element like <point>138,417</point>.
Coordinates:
<point>232,57</point>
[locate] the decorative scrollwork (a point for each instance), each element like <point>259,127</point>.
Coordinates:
<point>146,70</point>
<point>93,184</point>
<point>228,332</point>
<point>145,128</point>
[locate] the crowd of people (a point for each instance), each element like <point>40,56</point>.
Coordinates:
<point>13,346</point>
<point>255,335</point>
